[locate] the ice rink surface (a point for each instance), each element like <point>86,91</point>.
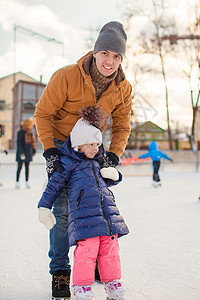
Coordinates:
<point>160,257</point>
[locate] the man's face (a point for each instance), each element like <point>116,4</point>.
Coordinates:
<point>107,62</point>
<point>90,150</point>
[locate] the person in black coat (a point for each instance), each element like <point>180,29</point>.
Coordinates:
<point>26,148</point>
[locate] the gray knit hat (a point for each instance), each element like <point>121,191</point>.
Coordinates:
<point>111,37</point>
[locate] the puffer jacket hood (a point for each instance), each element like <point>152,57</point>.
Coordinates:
<point>153,146</point>
<point>92,210</point>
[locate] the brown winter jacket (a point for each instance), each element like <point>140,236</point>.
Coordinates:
<point>71,88</point>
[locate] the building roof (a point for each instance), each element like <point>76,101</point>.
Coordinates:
<point>148,126</point>
<point>18,73</point>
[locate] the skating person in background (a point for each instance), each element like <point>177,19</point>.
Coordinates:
<point>97,78</point>
<point>94,219</point>
<point>26,148</point>
<point>156,156</point>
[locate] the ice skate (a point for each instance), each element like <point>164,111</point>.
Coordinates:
<point>83,292</point>
<point>27,184</point>
<point>114,290</point>
<point>156,184</point>
<point>17,185</point>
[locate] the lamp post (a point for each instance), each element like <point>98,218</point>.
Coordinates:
<point>33,34</point>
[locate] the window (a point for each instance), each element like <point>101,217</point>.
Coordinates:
<point>2,105</point>
<point>26,116</point>
<point>2,130</point>
<point>29,91</point>
<point>28,105</point>
<point>40,91</point>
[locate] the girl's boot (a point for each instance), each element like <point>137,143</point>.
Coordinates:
<point>114,289</point>
<point>83,292</point>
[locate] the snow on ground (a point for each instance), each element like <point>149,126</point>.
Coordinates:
<point>160,257</point>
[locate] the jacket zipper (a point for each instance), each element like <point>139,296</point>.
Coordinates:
<point>79,198</point>
<point>102,206</point>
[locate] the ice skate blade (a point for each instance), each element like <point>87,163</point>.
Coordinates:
<point>156,185</point>
<point>119,298</point>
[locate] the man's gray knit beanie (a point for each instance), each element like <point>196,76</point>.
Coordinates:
<point>112,37</point>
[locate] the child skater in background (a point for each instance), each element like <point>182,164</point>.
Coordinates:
<point>156,156</point>
<point>94,221</point>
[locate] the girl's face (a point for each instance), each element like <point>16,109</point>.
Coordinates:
<point>107,62</point>
<point>90,150</point>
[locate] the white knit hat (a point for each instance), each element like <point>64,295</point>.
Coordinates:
<point>84,133</point>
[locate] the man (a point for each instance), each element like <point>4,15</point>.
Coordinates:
<point>96,79</point>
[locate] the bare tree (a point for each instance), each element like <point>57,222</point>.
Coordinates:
<point>187,47</point>
<point>151,43</point>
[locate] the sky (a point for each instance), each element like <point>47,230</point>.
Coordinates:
<point>69,22</point>
<point>64,20</point>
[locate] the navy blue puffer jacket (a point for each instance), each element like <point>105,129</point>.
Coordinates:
<point>92,210</point>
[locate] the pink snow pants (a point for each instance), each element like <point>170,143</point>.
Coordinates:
<point>103,248</point>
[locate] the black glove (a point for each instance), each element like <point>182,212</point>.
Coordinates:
<point>109,159</point>
<point>171,160</point>
<point>52,156</point>
<point>112,158</point>
<point>6,152</point>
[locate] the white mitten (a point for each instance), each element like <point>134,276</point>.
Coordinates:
<point>22,156</point>
<point>110,173</point>
<point>46,217</point>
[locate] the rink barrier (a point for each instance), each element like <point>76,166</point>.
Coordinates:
<point>184,161</point>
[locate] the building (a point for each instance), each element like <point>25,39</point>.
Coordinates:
<point>143,133</point>
<point>26,94</point>
<point>19,94</point>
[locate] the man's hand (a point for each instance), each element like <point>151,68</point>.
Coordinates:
<point>52,156</point>
<point>109,159</point>
<point>46,217</point>
<point>112,159</point>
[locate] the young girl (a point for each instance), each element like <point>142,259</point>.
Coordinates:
<point>94,221</point>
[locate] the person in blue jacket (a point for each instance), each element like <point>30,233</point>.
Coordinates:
<point>94,221</point>
<point>156,156</point>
